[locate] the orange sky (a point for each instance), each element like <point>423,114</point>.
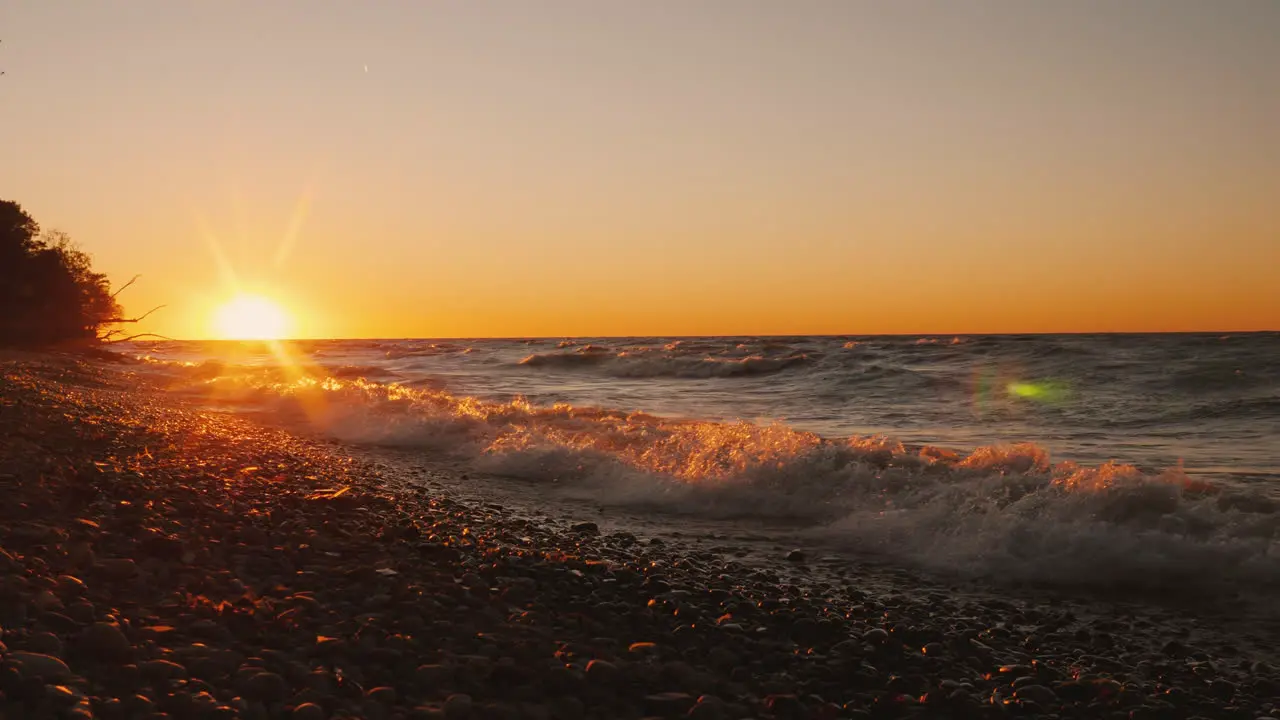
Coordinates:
<point>496,168</point>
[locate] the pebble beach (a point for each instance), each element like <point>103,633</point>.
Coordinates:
<point>160,560</point>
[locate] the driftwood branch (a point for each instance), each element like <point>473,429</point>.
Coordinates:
<point>140,318</point>
<point>121,289</point>
<point>108,338</point>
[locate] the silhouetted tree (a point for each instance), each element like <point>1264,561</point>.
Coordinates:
<point>49,292</point>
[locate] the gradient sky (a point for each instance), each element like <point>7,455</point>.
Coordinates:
<point>605,167</point>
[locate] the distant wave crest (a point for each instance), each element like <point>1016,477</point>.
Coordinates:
<point>649,363</point>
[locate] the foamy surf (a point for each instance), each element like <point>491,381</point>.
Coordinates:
<point>1006,511</point>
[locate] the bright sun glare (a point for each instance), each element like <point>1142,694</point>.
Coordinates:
<point>251,317</point>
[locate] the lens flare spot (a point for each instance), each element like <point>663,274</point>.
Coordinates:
<point>1047,392</point>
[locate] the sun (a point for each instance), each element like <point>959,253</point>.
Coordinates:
<point>251,317</point>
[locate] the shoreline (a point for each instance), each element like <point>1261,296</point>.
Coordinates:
<point>158,558</point>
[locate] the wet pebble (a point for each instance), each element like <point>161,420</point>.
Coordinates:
<point>1038,694</point>
<point>266,687</point>
<point>160,670</point>
<point>457,707</point>
<point>602,671</point>
<point>668,704</point>
<point>309,711</point>
<point>116,568</point>
<point>38,665</point>
<point>105,641</point>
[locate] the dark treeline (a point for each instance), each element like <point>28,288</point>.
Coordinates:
<point>49,292</point>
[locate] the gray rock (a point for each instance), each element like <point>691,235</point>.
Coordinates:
<point>37,665</point>
<point>372,710</point>
<point>847,647</point>
<point>207,628</point>
<point>105,641</point>
<point>805,631</point>
<point>46,600</point>
<point>57,622</point>
<point>162,670</point>
<point>267,687</point>
<point>434,677</point>
<point>668,704</point>
<point>708,707</point>
<point>520,588</point>
<point>62,696</point>
<point>567,707</point>
<point>81,612</point>
<point>309,711</point>
<point>875,635</point>
<point>116,568</point>
<point>723,658</point>
<point>457,707</point>
<point>137,706</point>
<point>643,649</point>
<point>1222,689</point>
<point>1038,694</point>
<point>382,695</point>
<point>44,642</point>
<point>785,706</point>
<point>603,672</point>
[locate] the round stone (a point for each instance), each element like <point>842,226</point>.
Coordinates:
<point>105,641</point>
<point>309,711</point>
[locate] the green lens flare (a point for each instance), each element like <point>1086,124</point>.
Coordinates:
<point>1045,392</point>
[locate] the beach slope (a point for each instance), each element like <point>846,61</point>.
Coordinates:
<point>159,560</point>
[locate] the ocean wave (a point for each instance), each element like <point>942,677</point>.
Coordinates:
<point>885,377</point>
<point>359,371</point>
<point>1001,511</point>
<point>644,362</point>
<point>399,351</point>
<point>690,346</point>
<point>643,367</point>
<point>1208,379</point>
<point>264,373</point>
<point>1065,351</point>
<point>1261,411</point>
<point>1250,408</point>
<point>956,340</point>
<point>585,355</point>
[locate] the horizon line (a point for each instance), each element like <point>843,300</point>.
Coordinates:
<point>735,335</point>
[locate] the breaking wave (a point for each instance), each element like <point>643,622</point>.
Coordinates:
<point>1004,511</point>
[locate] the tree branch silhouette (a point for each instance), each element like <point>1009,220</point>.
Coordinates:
<point>110,337</point>
<point>140,318</point>
<point>121,289</point>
